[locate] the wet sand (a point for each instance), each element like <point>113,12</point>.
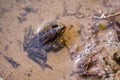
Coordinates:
<point>16,15</point>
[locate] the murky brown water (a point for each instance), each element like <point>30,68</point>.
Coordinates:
<point>17,15</point>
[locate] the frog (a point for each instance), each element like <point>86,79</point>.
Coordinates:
<point>38,45</point>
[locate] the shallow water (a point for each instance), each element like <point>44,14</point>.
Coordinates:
<point>17,15</point>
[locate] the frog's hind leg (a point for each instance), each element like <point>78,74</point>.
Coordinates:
<point>39,56</point>
<point>28,36</point>
<point>40,62</point>
<point>44,65</point>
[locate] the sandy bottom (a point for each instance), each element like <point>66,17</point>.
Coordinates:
<point>16,15</point>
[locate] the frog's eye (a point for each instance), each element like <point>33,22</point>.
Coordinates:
<point>54,26</point>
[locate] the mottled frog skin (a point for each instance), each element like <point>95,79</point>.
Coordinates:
<point>37,45</point>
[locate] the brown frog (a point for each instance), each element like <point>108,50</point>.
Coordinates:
<point>37,45</point>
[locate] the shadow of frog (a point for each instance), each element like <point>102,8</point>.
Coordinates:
<point>37,45</point>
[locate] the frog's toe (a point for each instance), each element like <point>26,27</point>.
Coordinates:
<point>44,65</point>
<point>40,61</point>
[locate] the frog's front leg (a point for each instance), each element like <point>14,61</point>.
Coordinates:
<point>58,45</point>
<point>39,56</point>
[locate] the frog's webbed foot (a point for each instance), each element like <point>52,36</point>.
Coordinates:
<point>40,62</point>
<point>39,56</point>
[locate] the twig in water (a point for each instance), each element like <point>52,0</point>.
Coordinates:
<point>108,16</point>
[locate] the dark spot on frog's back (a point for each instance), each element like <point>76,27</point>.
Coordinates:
<point>39,44</point>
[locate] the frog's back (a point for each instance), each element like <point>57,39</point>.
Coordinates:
<point>45,36</point>
<point>35,43</point>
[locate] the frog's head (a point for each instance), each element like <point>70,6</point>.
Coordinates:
<point>58,30</point>
<point>51,33</point>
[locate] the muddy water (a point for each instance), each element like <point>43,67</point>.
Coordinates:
<point>17,15</point>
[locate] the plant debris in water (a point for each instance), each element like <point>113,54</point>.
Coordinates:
<point>12,62</point>
<point>118,29</point>
<point>116,57</point>
<point>26,11</point>
<point>37,45</point>
<point>108,16</point>
<point>101,26</point>
<point>99,54</point>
